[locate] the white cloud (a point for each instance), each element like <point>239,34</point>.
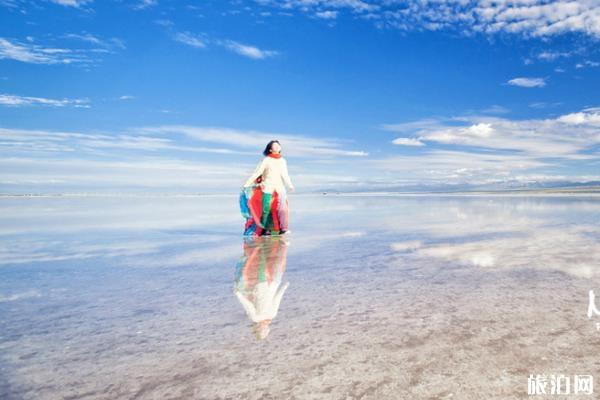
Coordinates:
<point>326,14</point>
<point>472,149</point>
<point>553,55</point>
<point>542,104</point>
<point>408,142</point>
<point>248,50</point>
<point>111,43</point>
<point>143,4</point>
<point>528,82</point>
<point>587,63</point>
<point>164,22</point>
<point>152,173</point>
<point>164,143</point>
<point>453,167</point>
<point>590,118</point>
<point>480,130</point>
<point>496,148</point>
<point>495,109</point>
<point>539,137</point>
<point>126,97</point>
<point>413,126</point>
<point>72,3</point>
<point>190,39</point>
<point>296,145</point>
<point>8,3</point>
<point>357,6</point>
<point>87,37</point>
<point>21,141</point>
<point>51,161</point>
<point>529,18</point>
<point>31,52</point>
<point>202,41</point>
<point>19,101</point>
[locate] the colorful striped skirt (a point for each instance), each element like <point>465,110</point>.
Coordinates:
<point>251,209</point>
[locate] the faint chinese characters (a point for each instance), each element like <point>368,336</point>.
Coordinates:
<point>560,384</point>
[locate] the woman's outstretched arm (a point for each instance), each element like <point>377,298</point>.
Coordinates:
<point>286,176</point>
<point>257,172</point>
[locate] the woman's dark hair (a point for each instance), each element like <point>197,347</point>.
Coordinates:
<point>269,145</point>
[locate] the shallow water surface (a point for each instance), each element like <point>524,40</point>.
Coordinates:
<point>370,297</point>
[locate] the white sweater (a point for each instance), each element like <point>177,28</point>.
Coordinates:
<point>274,172</point>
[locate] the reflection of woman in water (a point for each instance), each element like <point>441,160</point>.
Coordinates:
<point>263,200</point>
<point>258,281</point>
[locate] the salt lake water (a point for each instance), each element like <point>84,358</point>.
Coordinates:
<point>379,297</point>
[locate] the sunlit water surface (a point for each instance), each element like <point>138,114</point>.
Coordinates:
<point>372,297</point>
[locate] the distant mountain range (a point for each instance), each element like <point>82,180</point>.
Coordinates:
<point>500,186</point>
<point>509,186</point>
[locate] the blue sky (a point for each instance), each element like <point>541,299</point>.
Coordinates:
<point>175,96</point>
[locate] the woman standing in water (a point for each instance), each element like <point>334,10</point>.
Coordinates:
<point>274,174</point>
